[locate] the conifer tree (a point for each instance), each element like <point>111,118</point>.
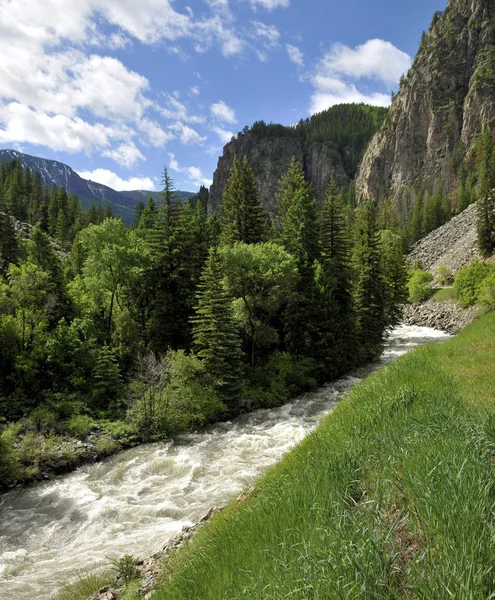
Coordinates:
<point>106,378</point>
<point>290,182</point>
<point>369,297</point>
<point>486,195</point>
<point>244,218</point>
<point>336,344</point>
<point>215,337</point>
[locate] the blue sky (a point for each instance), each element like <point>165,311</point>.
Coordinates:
<point>118,88</point>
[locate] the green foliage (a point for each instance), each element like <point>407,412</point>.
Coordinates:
<point>486,195</point>
<point>83,586</point>
<point>469,280</point>
<point>107,380</point>
<point>243,217</point>
<point>420,285</point>
<point>216,339</point>
<point>370,300</point>
<point>125,567</point>
<point>79,426</point>
<point>486,295</point>
<point>444,275</point>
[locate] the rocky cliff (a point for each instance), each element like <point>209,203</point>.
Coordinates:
<point>440,108</point>
<point>329,144</point>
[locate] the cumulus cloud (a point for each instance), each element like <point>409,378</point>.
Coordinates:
<point>295,55</point>
<point>337,74</point>
<point>194,174</point>
<point>126,155</point>
<point>223,112</point>
<point>111,179</point>
<point>187,135</point>
<point>224,135</point>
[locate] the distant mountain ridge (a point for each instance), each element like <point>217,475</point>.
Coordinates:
<point>55,173</point>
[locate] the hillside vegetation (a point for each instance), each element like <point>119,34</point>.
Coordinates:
<point>391,497</point>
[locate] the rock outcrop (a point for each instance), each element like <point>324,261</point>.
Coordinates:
<point>329,144</point>
<point>270,159</point>
<point>446,316</point>
<point>442,104</point>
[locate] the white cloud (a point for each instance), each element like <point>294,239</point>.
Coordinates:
<point>126,155</point>
<point>295,55</point>
<point>112,180</point>
<point>194,174</point>
<point>157,137</point>
<point>270,4</point>
<point>337,74</point>
<point>224,135</point>
<point>194,90</point>
<point>223,112</point>
<point>376,59</point>
<point>187,135</point>
<point>269,34</point>
<point>23,124</point>
<point>177,111</point>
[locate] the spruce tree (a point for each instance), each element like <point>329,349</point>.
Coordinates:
<point>337,343</point>
<point>215,337</point>
<point>106,378</point>
<point>369,297</point>
<point>289,183</point>
<point>486,195</point>
<point>244,219</point>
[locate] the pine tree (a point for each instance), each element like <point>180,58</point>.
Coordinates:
<point>369,297</point>
<point>138,211</point>
<point>337,343</point>
<point>215,337</point>
<point>486,195</point>
<point>244,218</point>
<point>289,183</point>
<point>106,378</point>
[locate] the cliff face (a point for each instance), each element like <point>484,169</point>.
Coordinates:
<point>329,144</point>
<point>270,159</point>
<point>448,94</point>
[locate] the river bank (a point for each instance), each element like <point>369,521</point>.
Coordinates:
<point>398,482</point>
<point>446,316</point>
<point>135,501</point>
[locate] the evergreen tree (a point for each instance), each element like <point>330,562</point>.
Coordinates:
<point>106,379</point>
<point>215,337</point>
<point>369,297</point>
<point>486,195</point>
<point>138,211</point>
<point>289,183</point>
<point>244,218</point>
<point>336,343</point>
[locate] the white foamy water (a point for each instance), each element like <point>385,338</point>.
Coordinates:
<point>132,503</point>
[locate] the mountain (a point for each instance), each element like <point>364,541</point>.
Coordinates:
<point>58,174</point>
<point>328,144</point>
<point>440,109</point>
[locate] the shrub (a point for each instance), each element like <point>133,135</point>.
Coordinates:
<point>79,425</point>
<point>419,285</point>
<point>469,280</point>
<point>106,446</point>
<point>486,295</point>
<point>444,275</point>
<point>125,567</point>
<point>42,419</point>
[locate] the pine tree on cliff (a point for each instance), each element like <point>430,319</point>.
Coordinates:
<point>486,195</point>
<point>244,218</point>
<point>369,296</point>
<point>215,337</point>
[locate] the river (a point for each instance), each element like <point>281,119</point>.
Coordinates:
<point>133,502</point>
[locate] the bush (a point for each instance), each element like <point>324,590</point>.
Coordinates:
<point>185,399</point>
<point>469,280</point>
<point>419,285</point>
<point>42,419</point>
<point>79,425</point>
<point>486,295</point>
<point>444,275</point>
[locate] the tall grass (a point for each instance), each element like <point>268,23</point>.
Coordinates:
<point>391,497</point>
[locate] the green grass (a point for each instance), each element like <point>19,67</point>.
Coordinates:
<point>391,497</point>
<point>83,586</point>
<point>443,294</point>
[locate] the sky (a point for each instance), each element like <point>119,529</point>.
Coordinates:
<point>117,89</point>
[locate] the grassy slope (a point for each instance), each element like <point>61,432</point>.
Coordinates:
<point>391,497</point>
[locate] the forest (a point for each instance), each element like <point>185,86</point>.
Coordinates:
<point>180,320</point>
